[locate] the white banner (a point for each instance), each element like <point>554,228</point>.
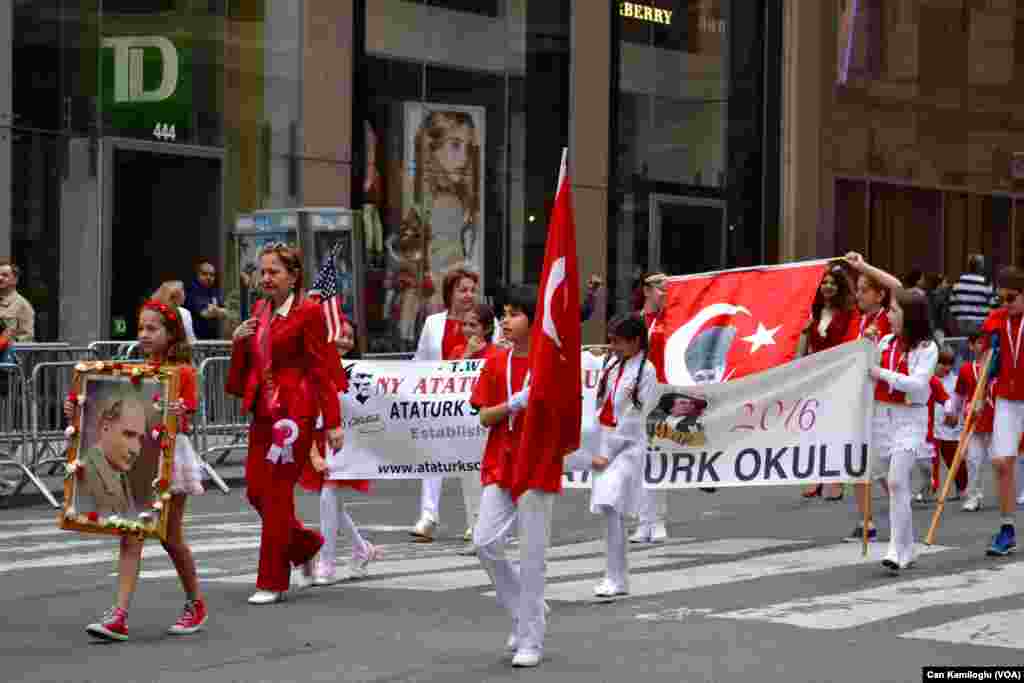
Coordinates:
<point>408,419</point>
<point>809,420</point>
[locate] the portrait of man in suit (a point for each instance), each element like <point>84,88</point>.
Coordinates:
<point>106,487</point>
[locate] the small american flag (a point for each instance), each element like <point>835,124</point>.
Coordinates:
<point>326,287</point>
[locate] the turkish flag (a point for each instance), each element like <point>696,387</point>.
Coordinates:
<point>726,325</point>
<point>551,426</point>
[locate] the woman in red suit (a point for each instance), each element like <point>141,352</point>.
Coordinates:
<point>279,363</point>
<point>834,320</point>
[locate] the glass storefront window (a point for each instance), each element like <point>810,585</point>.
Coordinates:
<point>449,145</point>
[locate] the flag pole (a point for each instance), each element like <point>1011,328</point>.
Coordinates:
<point>867,510</point>
<point>961,449</point>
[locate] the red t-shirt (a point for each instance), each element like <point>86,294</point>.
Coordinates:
<point>502,443</point>
<point>879,320</point>
<point>453,338</point>
<point>486,351</point>
<point>656,341</point>
<point>1010,383</point>
<point>938,395</point>
<point>893,358</point>
<point>966,384</point>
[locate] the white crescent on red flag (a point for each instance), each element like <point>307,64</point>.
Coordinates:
<point>729,324</point>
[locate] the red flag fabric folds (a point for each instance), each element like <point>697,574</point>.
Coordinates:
<point>729,324</point>
<point>551,427</point>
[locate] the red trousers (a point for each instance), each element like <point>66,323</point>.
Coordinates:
<point>284,541</point>
<point>948,451</point>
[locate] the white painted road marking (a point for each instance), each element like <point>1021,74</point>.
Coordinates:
<point>718,573</point>
<point>849,610</point>
<point>996,629</point>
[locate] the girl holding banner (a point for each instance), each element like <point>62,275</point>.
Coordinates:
<point>625,385</point>
<point>900,423</point>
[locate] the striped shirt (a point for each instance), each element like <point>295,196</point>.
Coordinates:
<point>971,299</point>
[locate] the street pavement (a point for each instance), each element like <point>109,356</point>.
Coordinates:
<point>754,585</point>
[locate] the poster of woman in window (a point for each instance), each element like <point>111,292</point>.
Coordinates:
<point>442,206</point>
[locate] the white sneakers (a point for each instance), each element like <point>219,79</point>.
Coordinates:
<point>649,533</point>
<point>526,658</point>
<point>425,529</point>
<point>357,568</point>
<point>894,566</point>
<point>265,597</point>
<point>1020,498</point>
<point>608,589</point>
<point>304,579</point>
<point>972,504</point>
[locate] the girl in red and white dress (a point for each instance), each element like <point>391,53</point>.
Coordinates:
<point>320,475</point>
<point>873,324</point>
<point>478,328</point>
<point>652,507</point>
<point>834,320</point>
<point>946,423</point>
<point>938,397</point>
<point>625,385</point>
<point>163,340</point>
<point>900,423</point>
<point>979,448</point>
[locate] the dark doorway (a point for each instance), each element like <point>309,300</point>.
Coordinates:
<point>687,234</point>
<point>166,214</point>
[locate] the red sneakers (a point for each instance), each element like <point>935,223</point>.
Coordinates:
<point>192,619</point>
<point>113,625</point>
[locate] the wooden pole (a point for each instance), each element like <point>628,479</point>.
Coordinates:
<point>867,509</point>
<point>961,448</point>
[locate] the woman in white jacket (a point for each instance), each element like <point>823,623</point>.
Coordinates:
<point>900,424</point>
<point>627,381</point>
<point>441,335</point>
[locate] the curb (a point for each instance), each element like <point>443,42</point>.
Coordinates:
<point>30,497</point>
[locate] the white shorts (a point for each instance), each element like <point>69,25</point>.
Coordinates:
<point>1007,429</point>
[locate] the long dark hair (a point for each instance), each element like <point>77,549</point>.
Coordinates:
<point>628,326</point>
<point>843,299</point>
<point>917,324</point>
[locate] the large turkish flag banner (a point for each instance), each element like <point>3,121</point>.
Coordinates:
<point>729,324</point>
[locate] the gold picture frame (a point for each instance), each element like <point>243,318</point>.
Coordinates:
<point>121,451</point>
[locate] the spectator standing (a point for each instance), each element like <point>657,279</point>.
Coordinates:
<point>204,302</point>
<point>971,299</point>
<point>17,317</point>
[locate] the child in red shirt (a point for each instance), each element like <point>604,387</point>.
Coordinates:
<point>979,448</point>
<point>1005,328</point>
<point>501,395</point>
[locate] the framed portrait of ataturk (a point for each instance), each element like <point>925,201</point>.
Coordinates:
<point>121,450</point>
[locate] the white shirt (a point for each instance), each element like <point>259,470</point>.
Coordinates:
<point>942,431</point>
<point>186,321</point>
<point>630,419</point>
<point>921,362</point>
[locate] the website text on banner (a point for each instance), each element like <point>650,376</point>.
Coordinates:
<point>806,421</point>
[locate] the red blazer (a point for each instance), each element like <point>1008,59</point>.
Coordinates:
<point>299,362</point>
<point>844,327</point>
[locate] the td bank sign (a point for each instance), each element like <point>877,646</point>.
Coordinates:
<point>146,86</point>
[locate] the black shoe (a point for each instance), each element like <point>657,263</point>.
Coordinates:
<point>709,490</point>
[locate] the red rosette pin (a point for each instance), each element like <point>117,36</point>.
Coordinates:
<point>93,517</point>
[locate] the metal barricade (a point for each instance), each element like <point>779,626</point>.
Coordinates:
<point>115,349</point>
<point>15,446</point>
<point>210,348</point>
<point>31,354</point>
<point>221,426</point>
<point>47,390</point>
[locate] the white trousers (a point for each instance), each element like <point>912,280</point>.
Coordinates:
<point>979,454</point>
<point>653,504</point>
<point>615,535</point>
<point>430,497</point>
<point>519,586</point>
<point>901,518</point>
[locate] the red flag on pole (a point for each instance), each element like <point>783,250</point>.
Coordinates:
<point>729,324</point>
<point>551,426</point>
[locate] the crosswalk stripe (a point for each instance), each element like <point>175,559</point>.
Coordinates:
<point>715,574</point>
<point>849,610</point>
<point>417,566</point>
<point>996,629</point>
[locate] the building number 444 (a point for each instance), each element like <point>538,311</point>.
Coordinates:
<point>165,131</point>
